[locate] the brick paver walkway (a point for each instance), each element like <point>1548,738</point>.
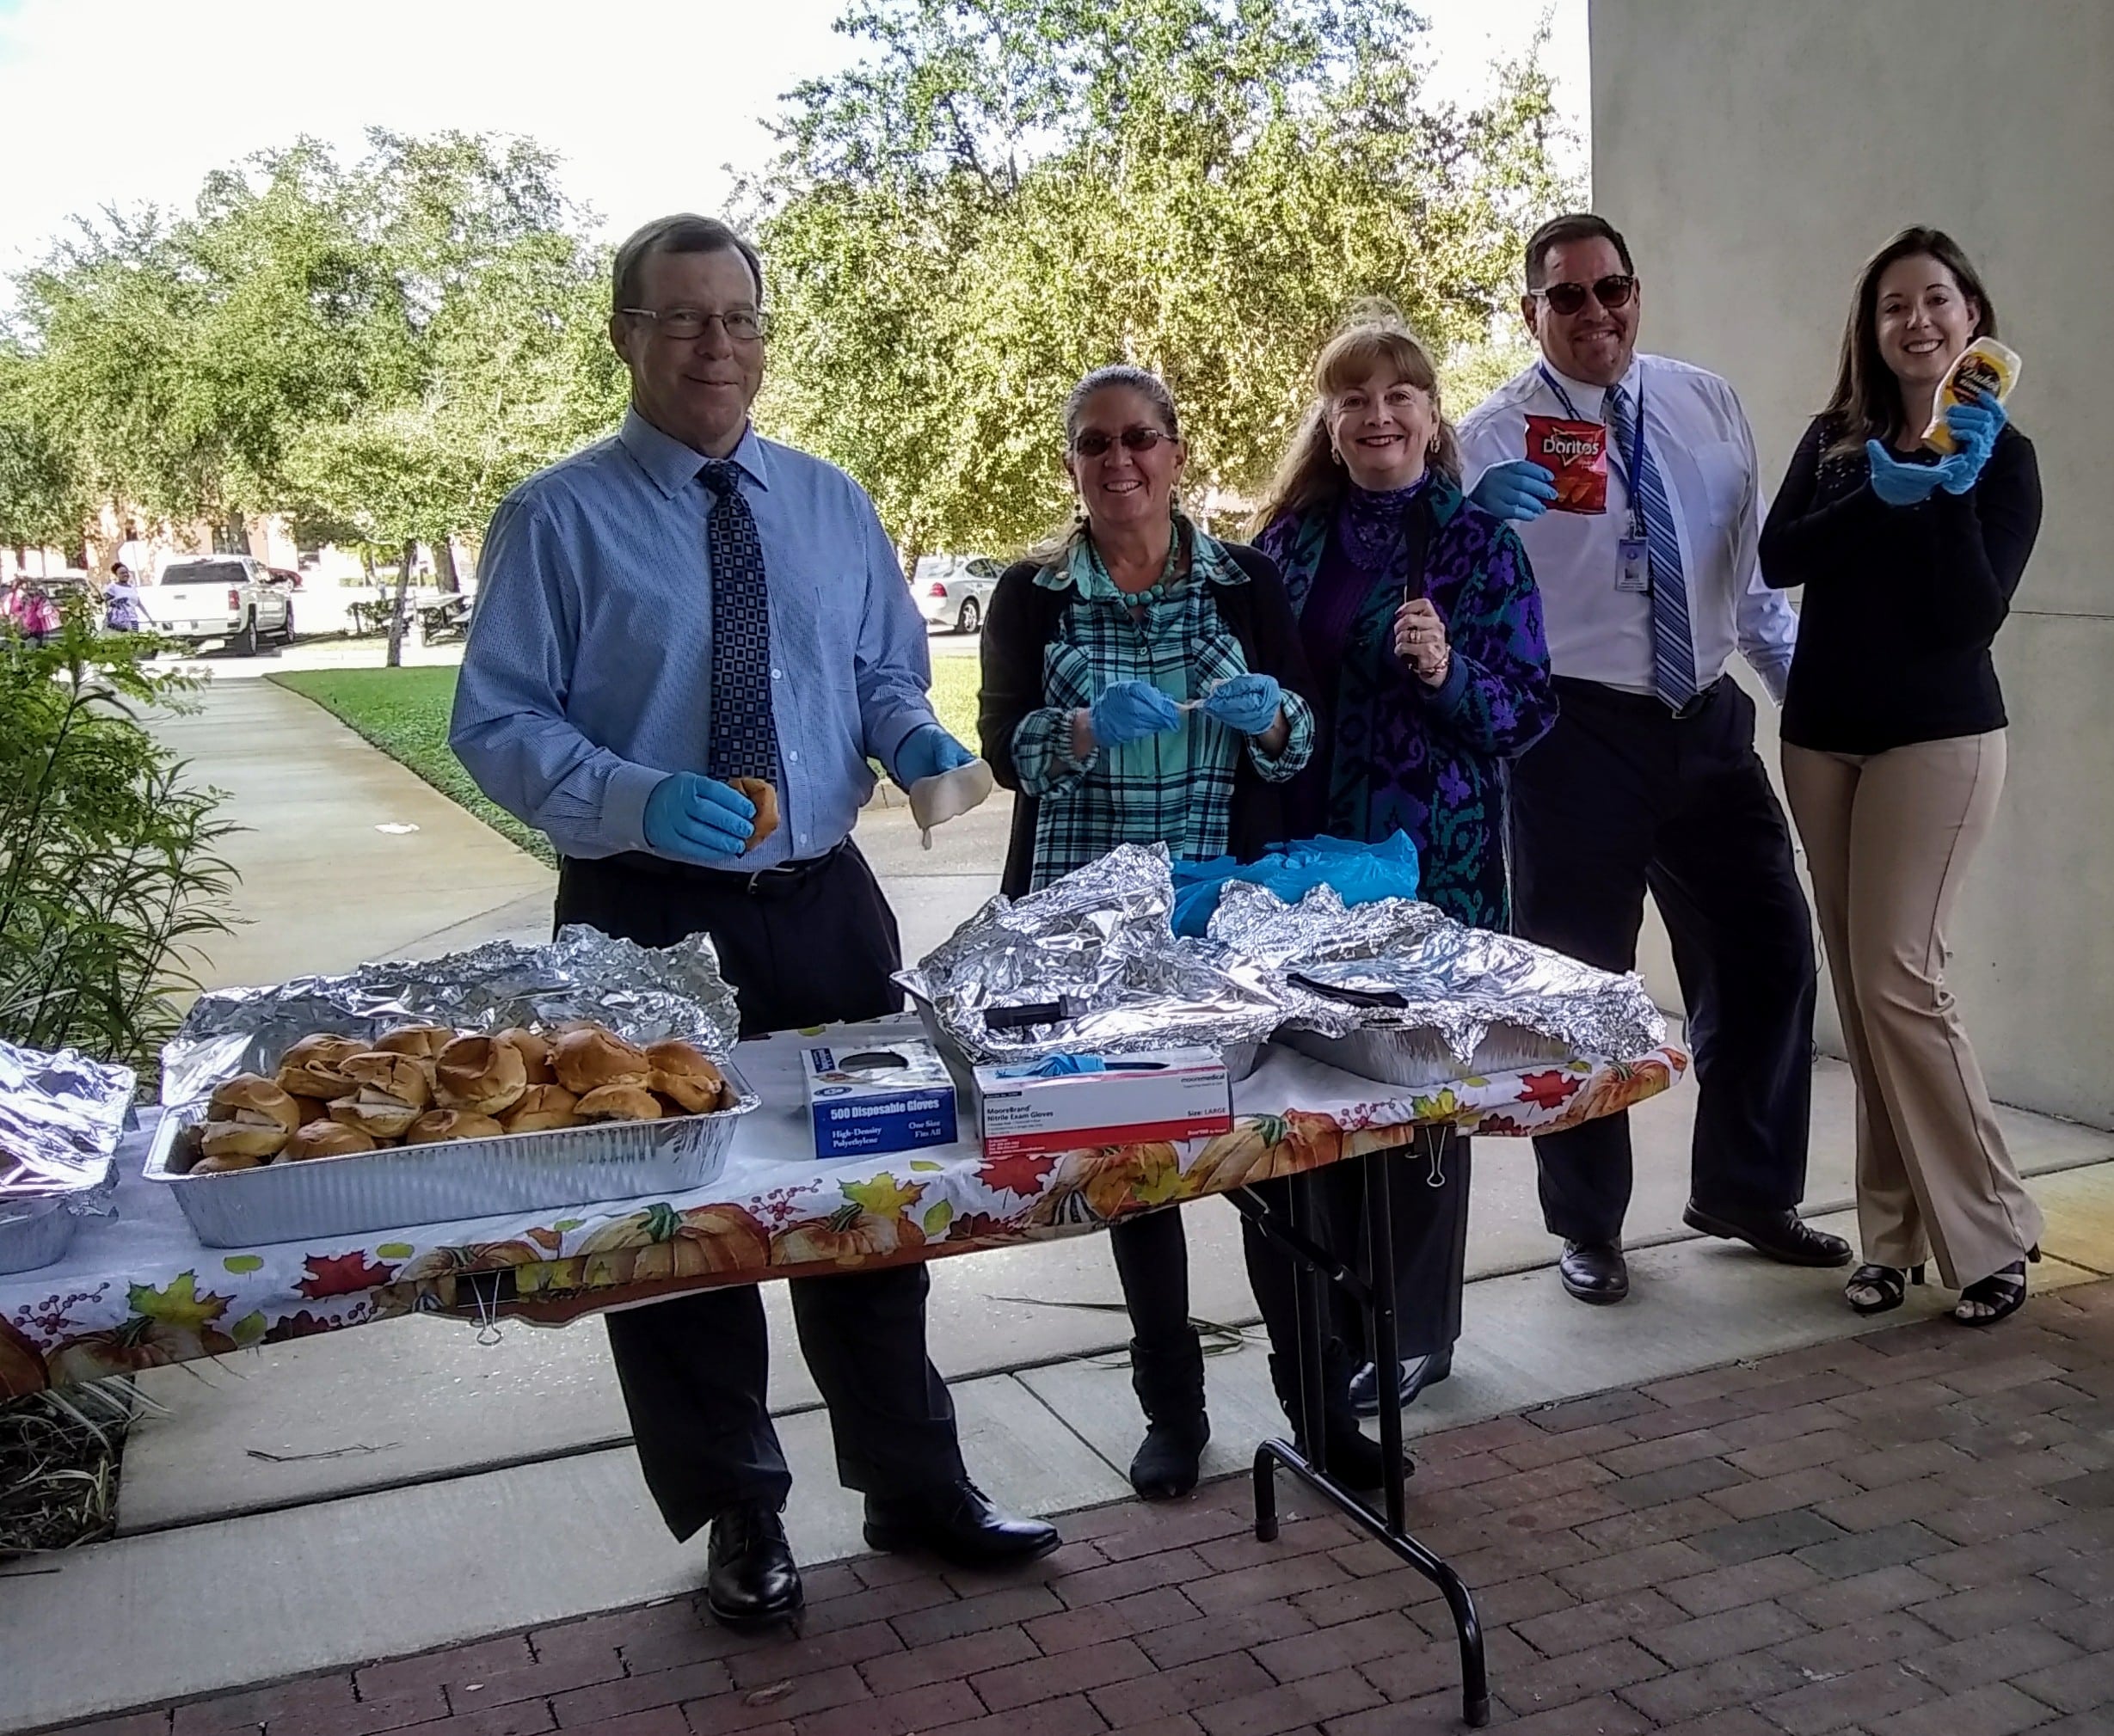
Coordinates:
<point>1908,1534</point>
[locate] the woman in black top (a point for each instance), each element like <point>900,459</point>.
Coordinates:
<point>1894,749</point>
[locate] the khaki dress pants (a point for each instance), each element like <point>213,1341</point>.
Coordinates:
<point>1888,838</point>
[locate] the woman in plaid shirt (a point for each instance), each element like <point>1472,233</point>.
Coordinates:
<point>1142,684</point>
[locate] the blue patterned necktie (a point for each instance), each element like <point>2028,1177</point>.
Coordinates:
<point>744,736</point>
<point>1673,643</point>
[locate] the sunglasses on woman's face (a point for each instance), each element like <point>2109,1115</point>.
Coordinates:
<point>1093,444</point>
<point>1567,298</point>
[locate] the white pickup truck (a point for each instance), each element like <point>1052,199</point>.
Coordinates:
<point>225,597</point>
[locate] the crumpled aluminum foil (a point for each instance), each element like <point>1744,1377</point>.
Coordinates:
<point>61,1117</point>
<point>1457,982</point>
<point>1099,940</point>
<point>643,993</point>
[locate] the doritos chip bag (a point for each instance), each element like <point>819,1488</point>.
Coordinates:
<point>1576,453</point>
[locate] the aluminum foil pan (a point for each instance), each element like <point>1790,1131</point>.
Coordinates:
<point>61,1117</point>
<point>1096,953</point>
<point>1400,966</point>
<point>402,1185</point>
<point>1241,1058</point>
<point>643,993</point>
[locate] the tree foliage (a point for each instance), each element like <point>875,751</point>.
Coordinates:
<point>379,349</point>
<point>1005,194</point>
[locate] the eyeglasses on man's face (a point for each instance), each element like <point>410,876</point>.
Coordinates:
<point>1094,444</point>
<point>686,325</point>
<point>1611,291</point>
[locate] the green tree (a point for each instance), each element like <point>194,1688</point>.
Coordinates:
<point>180,357</point>
<point>1004,193</point>
<point>44,500</point>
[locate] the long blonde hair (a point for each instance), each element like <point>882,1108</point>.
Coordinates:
<point>1308,476</point>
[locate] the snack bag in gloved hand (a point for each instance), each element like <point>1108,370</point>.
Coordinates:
<point>1984,365</point>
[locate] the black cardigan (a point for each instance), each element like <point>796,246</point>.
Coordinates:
<point>1024,617</point>
<point>1901,603</point>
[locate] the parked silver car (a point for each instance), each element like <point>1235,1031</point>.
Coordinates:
<point>953,591</point>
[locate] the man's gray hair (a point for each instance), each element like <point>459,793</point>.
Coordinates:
<point>685,232</point>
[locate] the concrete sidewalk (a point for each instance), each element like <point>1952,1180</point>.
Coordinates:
<point>1904,1533</point>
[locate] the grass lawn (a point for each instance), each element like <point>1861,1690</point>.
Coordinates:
<point>404,712</point>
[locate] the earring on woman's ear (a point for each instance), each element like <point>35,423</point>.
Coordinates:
<point>1336,453</point>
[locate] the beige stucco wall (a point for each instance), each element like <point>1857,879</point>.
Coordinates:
<point>1754,152</point>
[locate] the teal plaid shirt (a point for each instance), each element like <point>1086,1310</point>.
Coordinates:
<point>1175,789</point>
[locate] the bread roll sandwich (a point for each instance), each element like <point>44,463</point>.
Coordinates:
<point>619,1103</point>
<point>686,1077</point>
<point>422,1043</point>
<point>766,801</point>
<point>481,1074</point>
<point>542,1109</point>
<point>326,1139</point>
<point>313,1067</point>
<point>590,1057</point>
<point>535,1054</point>
<point>436,1125</point>
<point>389,1093</point>
<point>247,1116</point>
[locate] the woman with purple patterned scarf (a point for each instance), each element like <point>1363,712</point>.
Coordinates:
<point>1419,612</point>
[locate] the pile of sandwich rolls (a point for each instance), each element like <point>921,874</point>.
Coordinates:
<point>424,1085</point>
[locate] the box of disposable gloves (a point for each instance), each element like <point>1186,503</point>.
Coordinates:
<point>868,1101</point>
<point>1071,1102</point>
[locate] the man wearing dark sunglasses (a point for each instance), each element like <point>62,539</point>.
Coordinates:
<point>1650,781</point>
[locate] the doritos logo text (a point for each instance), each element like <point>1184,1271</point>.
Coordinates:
<point>1576,453</point>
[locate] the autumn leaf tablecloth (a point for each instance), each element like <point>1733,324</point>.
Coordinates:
<point>139,1291</point>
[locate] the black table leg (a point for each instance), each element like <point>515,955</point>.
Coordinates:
<point>1313,1263</point>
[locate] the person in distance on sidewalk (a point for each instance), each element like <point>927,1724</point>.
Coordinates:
<point>1649,780</point>
<point>675,607</point>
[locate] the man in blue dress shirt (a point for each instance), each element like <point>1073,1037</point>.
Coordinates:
<point>671,609</point>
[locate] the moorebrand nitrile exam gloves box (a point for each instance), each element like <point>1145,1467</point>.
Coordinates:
<point>866,1102</point>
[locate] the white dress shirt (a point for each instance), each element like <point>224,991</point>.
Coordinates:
<point>1704,454</point>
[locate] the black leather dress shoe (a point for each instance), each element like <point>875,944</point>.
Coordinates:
<point>1417,1373</point>
<point>957,1522</point>
<point>1594,1271</point>
<point>1780,1235</point>
<point>751,1580</point>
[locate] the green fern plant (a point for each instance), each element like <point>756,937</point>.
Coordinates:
<point>110,875</point>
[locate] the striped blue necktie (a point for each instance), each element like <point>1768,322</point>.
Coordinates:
<point>1673,643</point>
<point>744,734</point>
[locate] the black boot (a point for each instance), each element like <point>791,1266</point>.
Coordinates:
<point>1354,1458</point>
<point>1170,1384</point>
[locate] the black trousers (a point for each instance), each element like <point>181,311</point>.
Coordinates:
<point>801,948</point>
<point>1431,1254</point>
<point>1621,796</point>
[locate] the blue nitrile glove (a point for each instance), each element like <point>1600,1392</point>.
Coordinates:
<point>1246,703</point>
<point>1896,483</point>
<point>1130,711</point>
<point>1975,426</point>
<point>1056,1067</point>
<point>698,818</point>
<point>926,751</point>
<point>1518,488</point>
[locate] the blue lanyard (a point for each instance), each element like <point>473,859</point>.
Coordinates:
<point>1635,466</point>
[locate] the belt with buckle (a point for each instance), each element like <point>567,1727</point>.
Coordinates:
<point>780,877</point>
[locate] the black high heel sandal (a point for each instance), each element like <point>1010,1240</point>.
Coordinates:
<point>1888,1280</point>
<point>2002,1292</point>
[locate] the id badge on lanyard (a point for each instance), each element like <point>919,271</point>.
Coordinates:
<point>1632,551</point>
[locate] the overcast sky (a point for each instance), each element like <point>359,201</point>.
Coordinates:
<point>123,101</point>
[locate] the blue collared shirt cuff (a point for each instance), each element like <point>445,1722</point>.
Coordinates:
<point>886,736</point>
<point>624,805</point>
